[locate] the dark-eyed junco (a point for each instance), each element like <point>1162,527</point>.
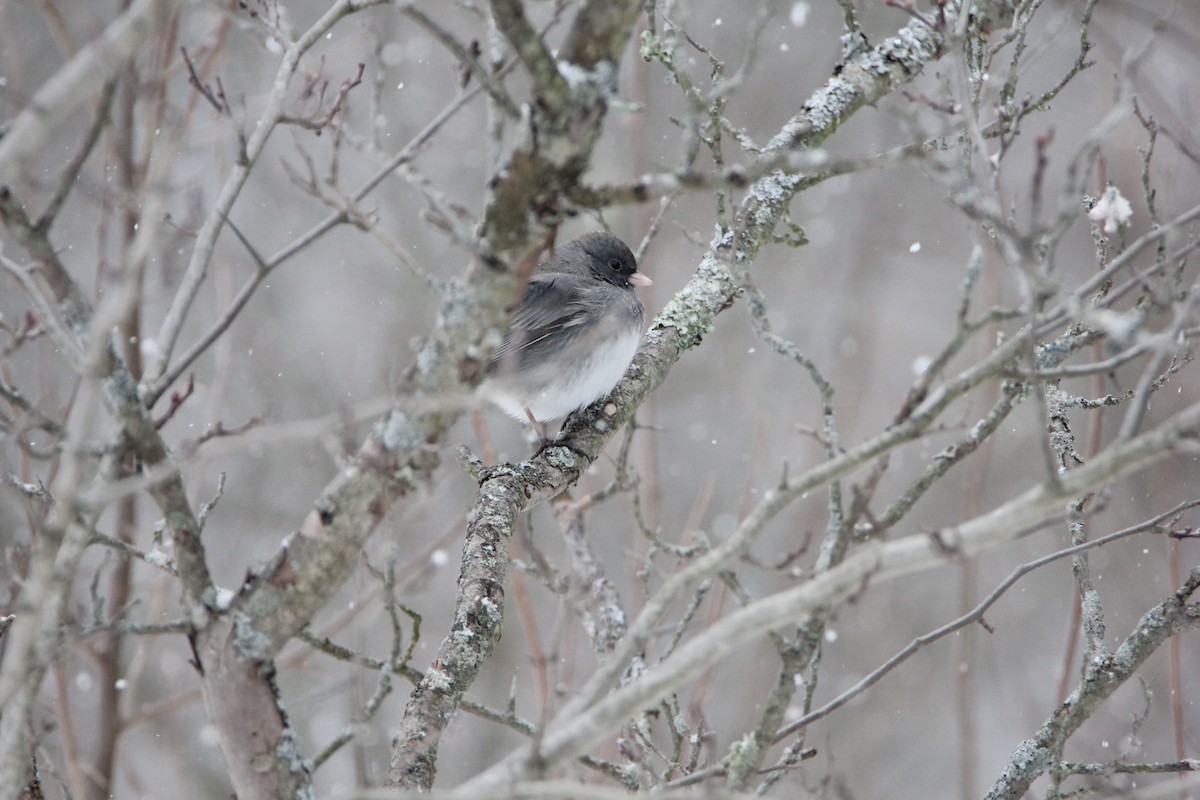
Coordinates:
<point>574,333</point>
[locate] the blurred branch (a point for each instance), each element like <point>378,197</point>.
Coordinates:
<point>155,558</point>
<point>469,60</point>
<point>599,33</point>
<point>33,640</point>
<point>74,84</point>
<point>34,418</point>
<point>605,615</point>
<point>557,133</point>
<point>106,385</point>
<point>48,284</point>
<point>217,442</point>
<point>1161,362</point>
<point>60,329</point>
<point>215,99</point>
<point>70,174</point>
<point>323,121</point>
<point>530,49</point>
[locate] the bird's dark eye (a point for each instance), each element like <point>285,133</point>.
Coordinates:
<point>614,265</point>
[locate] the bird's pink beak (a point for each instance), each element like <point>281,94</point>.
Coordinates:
<point>638,279</point>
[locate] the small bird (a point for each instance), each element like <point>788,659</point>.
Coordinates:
<point>574,333</point>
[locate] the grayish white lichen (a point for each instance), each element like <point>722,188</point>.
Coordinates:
<point>603,76</point>
<point>249,643</point>
<point>398,432</point>
<point>489,607</point>
<point>438,680</point>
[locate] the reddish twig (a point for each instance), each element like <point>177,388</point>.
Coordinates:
<point>323,121</point>
<point>219,429</point>
<point>204,89</point>
<point>177,400</point>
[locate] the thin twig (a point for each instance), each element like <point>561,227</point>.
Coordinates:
<point>202,88</point>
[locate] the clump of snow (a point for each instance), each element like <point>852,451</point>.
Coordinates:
<point>1112,209</point>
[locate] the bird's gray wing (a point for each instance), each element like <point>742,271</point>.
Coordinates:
<point>551,313</point>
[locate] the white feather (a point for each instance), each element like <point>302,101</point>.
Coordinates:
<point>590,379</point>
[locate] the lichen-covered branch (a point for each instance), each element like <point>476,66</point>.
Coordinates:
<point>474,631</point>
<point>1101,677</point>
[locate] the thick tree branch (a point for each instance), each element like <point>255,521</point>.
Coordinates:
<point>510,18</point>
<point>600,32</point>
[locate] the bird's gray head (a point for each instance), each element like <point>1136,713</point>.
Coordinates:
<point>605,256</point>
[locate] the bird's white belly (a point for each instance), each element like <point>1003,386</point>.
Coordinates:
<point>592,378</point>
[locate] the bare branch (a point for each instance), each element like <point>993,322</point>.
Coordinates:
<point>206,239</point>
<point>469,60</point>
<point>180,365</point>
<point>202,88</point>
